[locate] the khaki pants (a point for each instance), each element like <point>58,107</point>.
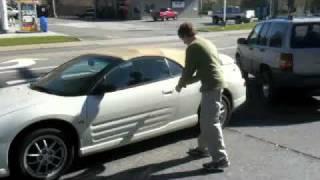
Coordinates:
<point>211,137</point>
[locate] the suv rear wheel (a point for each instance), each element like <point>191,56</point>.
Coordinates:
<point>269,92</point>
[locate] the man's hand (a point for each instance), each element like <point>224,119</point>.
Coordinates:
<point>178,89</point>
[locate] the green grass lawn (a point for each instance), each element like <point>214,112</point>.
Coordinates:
<point>36,40</point>
<point>214,28</point>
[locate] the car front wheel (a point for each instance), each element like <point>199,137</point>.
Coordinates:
<point>44,154</point>
<point>225,111</point>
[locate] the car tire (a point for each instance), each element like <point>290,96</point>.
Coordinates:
<point>268,90</point>
<point>154,19</point>
<point>215,20</point>
<point>225,111</point>
<point>43,154</point>
<point>238,20</point>
<point>162,19</point>
<point>244,73</point>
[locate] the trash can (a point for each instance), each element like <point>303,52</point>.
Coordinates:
<point>43,24</point>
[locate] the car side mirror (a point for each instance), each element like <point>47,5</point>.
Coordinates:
<point>242,41</point>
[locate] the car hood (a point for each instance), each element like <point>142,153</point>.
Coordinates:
<point>19,97</point>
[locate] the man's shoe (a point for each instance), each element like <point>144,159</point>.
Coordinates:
<point>198,153</point>
<point>218,165</point>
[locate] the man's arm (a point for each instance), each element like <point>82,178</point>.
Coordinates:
<point>190,68</point>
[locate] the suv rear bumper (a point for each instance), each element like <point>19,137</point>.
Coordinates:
<point>289,79</point>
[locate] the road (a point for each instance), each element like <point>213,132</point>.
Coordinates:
<point>264,143</point>
<point>101,30</point>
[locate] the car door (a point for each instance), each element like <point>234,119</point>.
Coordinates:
<point>276,44</point>
<point>189,98</point>
<point>248,52</point>
<point>262,51</point>
<point>139,101</point>
<point>170,13</point>
<point>305,44</point>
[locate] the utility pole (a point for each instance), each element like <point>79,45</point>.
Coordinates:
<point>4,16</point>
<point>225,12</point>
<point>270,9</point>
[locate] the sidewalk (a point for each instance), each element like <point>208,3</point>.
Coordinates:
<point>124,41</point>
<point>35,34</point>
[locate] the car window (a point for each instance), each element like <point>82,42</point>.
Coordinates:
<point>152,68</point>
<point>175,69</point>
<point>136,72</point>
<point>85,68</point>
<point>120,78</point>
<point>77,76</point>
<point>277,34</point>
<point>253,37</point>
<point>306,36</point>
<point>262,40</point>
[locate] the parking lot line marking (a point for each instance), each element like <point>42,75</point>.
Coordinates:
<point>32,69</point>
<point>226,48</point>
<point>21,81</point>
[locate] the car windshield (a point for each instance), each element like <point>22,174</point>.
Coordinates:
<point>306,36</point>
<point>76,77</point>
<point>163,9</point>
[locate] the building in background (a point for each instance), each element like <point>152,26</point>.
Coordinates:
<point>122,9</point>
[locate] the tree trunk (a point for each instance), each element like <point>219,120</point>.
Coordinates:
<point>54,8</point>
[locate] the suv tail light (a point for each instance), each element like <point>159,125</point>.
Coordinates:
<point>286,62</point>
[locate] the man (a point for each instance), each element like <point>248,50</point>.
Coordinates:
<point>202,59</point>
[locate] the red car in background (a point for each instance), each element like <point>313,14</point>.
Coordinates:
<point>164,13</point>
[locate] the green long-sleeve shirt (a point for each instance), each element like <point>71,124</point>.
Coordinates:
<point>202,59</point>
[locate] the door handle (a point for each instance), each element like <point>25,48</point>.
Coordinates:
<point>167,92</point>
<point>251,48</point>
<point>262,50</point>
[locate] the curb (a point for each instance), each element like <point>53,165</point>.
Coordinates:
<point>113,42</point>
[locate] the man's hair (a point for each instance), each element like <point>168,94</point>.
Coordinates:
<point>186,30</point>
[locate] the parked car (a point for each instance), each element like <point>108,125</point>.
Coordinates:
<point>284,53</point>
<point>12,12</point>
<point>97,102</point>
<point>232,13</point>
<point>164,13</point>
<point>88,13</point>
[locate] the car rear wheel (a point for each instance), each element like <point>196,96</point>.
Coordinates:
<point>44,154</point>
<point>225,111</point>
<point>269,92</point>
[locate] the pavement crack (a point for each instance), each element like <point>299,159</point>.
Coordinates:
<point>274,144</point>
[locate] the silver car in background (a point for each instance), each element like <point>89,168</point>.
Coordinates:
<point>98,102</point>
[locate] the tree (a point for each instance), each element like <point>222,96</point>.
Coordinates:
<point>4,25</point>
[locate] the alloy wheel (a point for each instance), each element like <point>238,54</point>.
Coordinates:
<point>45,156</point>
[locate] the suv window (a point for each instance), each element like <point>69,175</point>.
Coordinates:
<point>277,34</point>
<point>136,72</point>
<point>263,39</point>
<point>253,37</point>
<point>306,36</point>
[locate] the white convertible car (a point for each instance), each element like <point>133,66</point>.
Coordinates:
<point>97,102</point>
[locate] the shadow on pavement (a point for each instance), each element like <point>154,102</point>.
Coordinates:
<point>293,107</point>
<point>145,172</point>
<point>99,159</point>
